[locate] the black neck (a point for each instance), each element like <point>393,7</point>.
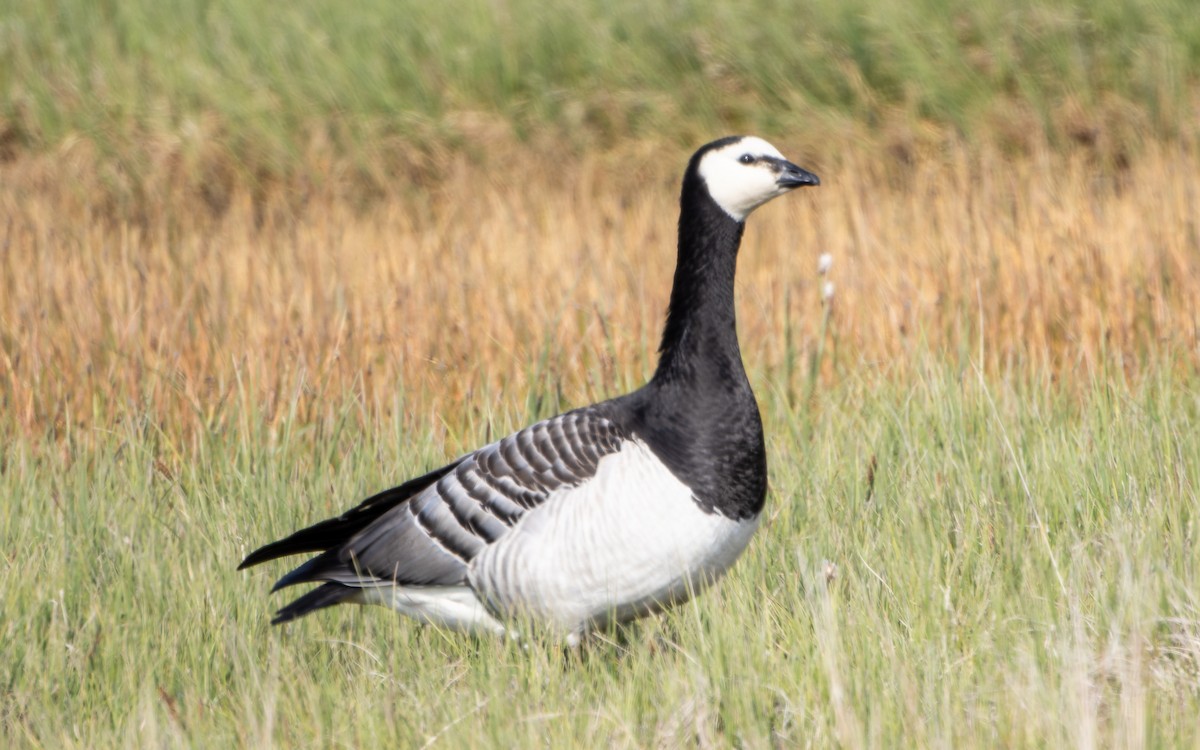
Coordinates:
<point>698,413</point>
<point>699,340</point>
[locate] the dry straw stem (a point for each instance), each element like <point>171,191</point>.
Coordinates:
<point>1038,262</point>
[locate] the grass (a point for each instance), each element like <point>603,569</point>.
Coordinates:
<point>981,530</point>
<point>1014,566</point>
<point>195,95</point>
<point>555,283</point>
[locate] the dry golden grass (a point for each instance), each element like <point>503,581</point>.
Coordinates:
<point>1037,262</point>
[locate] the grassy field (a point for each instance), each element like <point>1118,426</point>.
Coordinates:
<point>248,278</point>
<point>998,455</point>
<point>1012,566</point>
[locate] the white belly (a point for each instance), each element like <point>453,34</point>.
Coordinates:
<point>629,541</point>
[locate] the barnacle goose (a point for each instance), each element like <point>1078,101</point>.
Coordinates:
<point>603,513</point>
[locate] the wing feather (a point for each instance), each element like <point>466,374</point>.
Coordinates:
<point>471,515</point>
<point>489,498</point>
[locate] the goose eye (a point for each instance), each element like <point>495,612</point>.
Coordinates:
<point>746,159</point>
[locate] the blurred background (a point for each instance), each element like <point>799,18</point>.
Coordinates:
<point>190,183</point>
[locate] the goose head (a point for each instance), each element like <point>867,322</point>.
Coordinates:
<point>742,173</point>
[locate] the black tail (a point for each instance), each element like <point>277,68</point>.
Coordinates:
<point>335,532</point>
<point>319,598</point>
<point>327,537</point>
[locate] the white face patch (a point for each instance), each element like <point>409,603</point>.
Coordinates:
<point>739,187</point>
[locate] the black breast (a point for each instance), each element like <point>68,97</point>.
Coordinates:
<point>713,442</point>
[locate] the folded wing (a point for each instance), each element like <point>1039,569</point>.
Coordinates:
<point>427,531</point>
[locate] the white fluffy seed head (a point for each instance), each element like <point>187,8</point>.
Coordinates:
<point>737,177</point>
<point>824,263</point>
<point>827,291</point>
